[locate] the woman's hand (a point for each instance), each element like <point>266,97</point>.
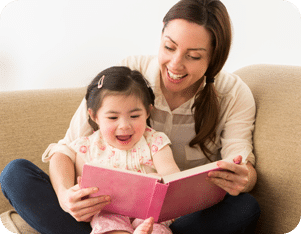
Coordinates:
<point>237,177</point>
<point>73,202</point>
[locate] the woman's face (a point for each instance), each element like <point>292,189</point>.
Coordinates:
<point>184,56</point>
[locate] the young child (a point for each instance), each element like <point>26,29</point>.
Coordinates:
<point>119,102</point>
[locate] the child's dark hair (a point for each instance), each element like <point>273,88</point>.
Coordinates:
<point>118,81</point>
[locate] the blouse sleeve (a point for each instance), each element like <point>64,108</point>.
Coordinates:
<point>81,147</point>
<point>156,140</point>
<point>236,137</point>
<point>79,127</point>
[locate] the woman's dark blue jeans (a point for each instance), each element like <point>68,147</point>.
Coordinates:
<point>30,192</point>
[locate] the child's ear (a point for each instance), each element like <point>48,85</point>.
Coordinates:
<point>91,113</point>
<point>150,110</point>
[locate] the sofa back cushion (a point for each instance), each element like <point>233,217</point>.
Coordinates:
<point>277,144</point>
<point>30,121</point>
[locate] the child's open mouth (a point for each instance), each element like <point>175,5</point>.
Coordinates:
<point>124,139</point>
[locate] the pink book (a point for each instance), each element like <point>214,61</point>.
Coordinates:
<point>139,195</point>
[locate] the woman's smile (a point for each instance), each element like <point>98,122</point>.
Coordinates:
<point>173,77</point>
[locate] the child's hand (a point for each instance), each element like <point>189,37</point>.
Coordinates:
<point>73,202</point>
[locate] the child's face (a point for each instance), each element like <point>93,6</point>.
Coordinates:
<point>121,120</point>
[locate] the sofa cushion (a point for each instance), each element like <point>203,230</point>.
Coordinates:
<point>277,144</point>
<point>30,121</point>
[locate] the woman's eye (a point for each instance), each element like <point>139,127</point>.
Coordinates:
<point>168,48</point>
<point>194,58</point>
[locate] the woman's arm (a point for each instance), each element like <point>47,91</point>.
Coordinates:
<point>236,139</point>
<point>164,161</point>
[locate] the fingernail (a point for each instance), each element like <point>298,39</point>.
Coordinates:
<point>95,189</point>
<point>237,161</point>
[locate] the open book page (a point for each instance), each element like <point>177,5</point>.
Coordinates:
<point>193,171</point>
<point>168,178</point>
<point>152,175</point>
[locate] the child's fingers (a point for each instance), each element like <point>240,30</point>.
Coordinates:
<point>150,220</point>
<point>79,181</point>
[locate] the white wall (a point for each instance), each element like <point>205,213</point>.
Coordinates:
<point>265,31</point>
<point>65,43</point>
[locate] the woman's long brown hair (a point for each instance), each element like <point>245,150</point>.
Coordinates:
<point>213,15</point>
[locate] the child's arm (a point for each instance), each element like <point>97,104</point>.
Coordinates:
<point>69,194</point>
<point>164,162</point>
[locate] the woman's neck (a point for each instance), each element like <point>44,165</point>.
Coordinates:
<point>176,99</point>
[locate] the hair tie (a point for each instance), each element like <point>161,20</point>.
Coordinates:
<point>208,80</point>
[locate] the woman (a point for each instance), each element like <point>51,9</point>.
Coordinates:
<point>207,114</point>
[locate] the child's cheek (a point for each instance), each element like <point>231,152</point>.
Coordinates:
<point>140,128</point>
<point>108,132</point>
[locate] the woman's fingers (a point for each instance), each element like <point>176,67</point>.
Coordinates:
<point>233,178</point>
<point>238,159</point>
<point>231,187</point>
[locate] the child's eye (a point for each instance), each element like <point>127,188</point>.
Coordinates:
<point>135,116</point>
<point>113,118</point>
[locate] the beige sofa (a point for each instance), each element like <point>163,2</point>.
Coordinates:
<point>30,120</point>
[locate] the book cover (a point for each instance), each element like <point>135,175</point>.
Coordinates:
<point>139,195</point>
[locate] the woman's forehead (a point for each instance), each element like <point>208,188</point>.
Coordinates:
<point>184,33</point>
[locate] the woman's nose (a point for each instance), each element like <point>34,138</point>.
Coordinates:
<point>176,62</point>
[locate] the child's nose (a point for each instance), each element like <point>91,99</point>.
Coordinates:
<point>124,124</point>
